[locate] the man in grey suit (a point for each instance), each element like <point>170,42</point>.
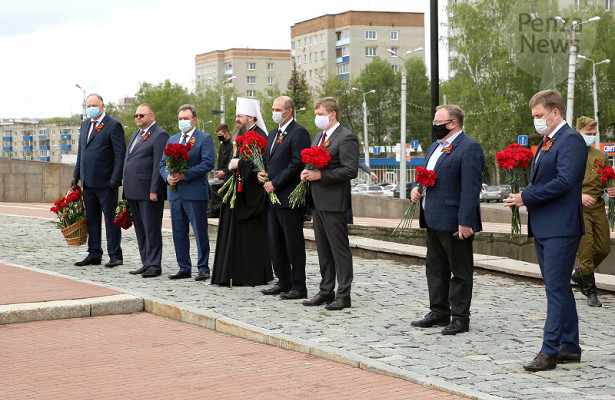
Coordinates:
<point>330,190</point>
<point>144,188</point>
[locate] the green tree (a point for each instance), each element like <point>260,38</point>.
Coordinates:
<point>165,97</point>
<point>298,89</point>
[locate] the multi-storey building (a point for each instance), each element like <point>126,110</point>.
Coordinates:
<point>255,70</point>
<point>54,142</point>
<point>343,44</point>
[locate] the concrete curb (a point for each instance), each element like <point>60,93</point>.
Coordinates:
<point>62,309</point>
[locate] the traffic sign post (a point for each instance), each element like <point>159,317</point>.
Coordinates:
<point>522,140</point>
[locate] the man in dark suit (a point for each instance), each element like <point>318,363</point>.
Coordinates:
<point>225,152</point>
<point>100,162</point>
<point>285,224</point>
<point>188,203</point>
<point>555,220</point>
<point>330,190</point>
<point>450,210</point>
<point>144,188</point>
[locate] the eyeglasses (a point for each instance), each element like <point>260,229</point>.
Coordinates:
<point>445,121</point>
<point>140,115</point>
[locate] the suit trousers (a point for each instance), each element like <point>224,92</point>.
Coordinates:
<point>596,243</point>
<point>183,214</point>
<point>100,201</point>
<point>334,255</point>
<point>448,256</point>
<point>287,246</point>
<point>556,259</point>
<point>147,218</point>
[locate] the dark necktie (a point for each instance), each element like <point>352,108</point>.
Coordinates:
<point>277,135</point>
<point>184,139</point>
<point>322,141</point>
<point>93,125</point>
<point>134,142</point>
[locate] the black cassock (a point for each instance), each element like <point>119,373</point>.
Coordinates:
<point>242,246</point>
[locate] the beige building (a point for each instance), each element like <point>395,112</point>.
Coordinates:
<point>54,142</point>
<point>343,44</point>
<point>254,69</point>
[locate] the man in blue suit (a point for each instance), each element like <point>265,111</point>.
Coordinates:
<point>450,210</point>
<point>285,224</point>
<point>144,188</point>
<point>188,202</point>
<point>100,162</point>
<point>555,220</point>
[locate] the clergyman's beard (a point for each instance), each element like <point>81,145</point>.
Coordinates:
<point>238,131</point>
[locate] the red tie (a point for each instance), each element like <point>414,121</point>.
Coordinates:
<point>322,141</point>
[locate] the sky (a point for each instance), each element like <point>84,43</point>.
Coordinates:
<point>47,47</point>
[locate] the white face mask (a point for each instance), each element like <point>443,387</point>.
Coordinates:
<point>541,124</point>
<point>321,121</point>
<point>590,140</point>
<point>277,117</point>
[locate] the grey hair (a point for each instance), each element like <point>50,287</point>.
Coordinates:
<point>188,107</point>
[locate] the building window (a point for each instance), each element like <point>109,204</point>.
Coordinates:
<point>370,34</point>
<point>305,58</point>
<point>250,66</point>
<point>322,55</point>
<point>316,56</point>
<point>310,74</point>
<point>251,79</point>
<point>323,72</point>
<point>310,40</point>
<point>250,93</point>
<point>269,66</point>
<point>608,5</point>
<point>315,73</point>
<point>394,35</point>
<point>343,68</point>
<point>292,45</point>
<point>395,51</point>
<point>370,51</point>
<point>310,57</point>
<point>345,51</point>
<point>298,43</point>
<point>395,68</point>
<point>299,60</point>
<point>322,38</point>
<point>270,80</point>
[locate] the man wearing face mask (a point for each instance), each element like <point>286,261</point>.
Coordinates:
<point>225,152</point>
<point>555,220</point>
<point>285,224</point>
<point>596,243</point>
<point>100,165</point>
<point>330,190</point>
<point>188,203</point>
<point>450,210</point>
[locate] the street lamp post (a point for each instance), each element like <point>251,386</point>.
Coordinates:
<point>595,90</point>
<point>222,96</point>
<point>402,139</point>
<point>365,138</point>
<point>572,63</point>
<point>83,114</point>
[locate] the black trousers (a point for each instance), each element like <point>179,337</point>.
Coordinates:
<point>287,246</point>
<point>450,267</point>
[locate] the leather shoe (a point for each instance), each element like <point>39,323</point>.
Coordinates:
<point>456,326</point>
<point>275,289</point>
<point>542,362</point>
<point>203,275</point>
<point>319,300</point>
<point>566,357</point>
<point>181,275</point>
<point>294,295</point>
<point>338,304</point>
<point>114,262</point>
<point>88,261</point>
<point>432,319</point>
<point>151,273</point>
<point>138,271</point>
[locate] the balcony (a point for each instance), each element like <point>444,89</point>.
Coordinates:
<point>42,137</point>
<point>228,71</point>
<point>45,158</point>
<point>342,42</point>
<point>65,137</point>
<point>44,147</point>
<point>7,138</point>
<point>342,60</point>
<point>344,77</point>
<point>65,147</point>
<point>7,148</point>
<point>28,138</point>
<point>27,148</point>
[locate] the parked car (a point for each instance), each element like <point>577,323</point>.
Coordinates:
<point>408,190</point>
<point>358,187</point>
<point>369,189</point>
<point>483,189</point>
<point>505,190</point>
<point>496,193</point>
<point>389,189</point>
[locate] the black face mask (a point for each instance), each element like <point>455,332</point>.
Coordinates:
<point>440,131</point>
<point>221,138</point>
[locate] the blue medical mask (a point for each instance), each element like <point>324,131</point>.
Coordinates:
<point>589,140</point>
<point>184,125</point>
<point>93,112</point>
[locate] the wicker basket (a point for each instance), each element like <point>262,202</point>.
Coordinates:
<point>77,233</point>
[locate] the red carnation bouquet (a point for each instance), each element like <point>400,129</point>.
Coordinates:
<point>177,159</point>
<point>314,158</point>
<point>70,208</point>
<point>607,176</point>
<point>425,178</point>
<point>514,159</point>
<point>123,216</point>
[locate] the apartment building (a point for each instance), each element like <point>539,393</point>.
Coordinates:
<point>255,70</point>
<point>343,44</point>
<point>53,142</point>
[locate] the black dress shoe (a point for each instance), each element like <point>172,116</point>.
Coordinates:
<point>151,273</point>
<point>319,300</point>
<point>294,295</point>
<point>338,304</point>
<point>203,275</point>
<point>114,262</point>
<point>432,319</point>
<point>88,261</point>
<point>181,275</point>
<point>138,271</point>
<point>456,326</point>
<point>275,289</point>
<point>564,356</point>
<point>542,362</point>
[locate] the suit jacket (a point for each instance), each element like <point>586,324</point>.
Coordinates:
<point>201,161</point>
<point>454,199</point>
<point>142,165</point>
<point>332,191</point>
<point>102,159</point>
<point>284,164</point>
<point>553,197</point>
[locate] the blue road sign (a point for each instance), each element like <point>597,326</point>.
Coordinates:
<point>414,144</point>
<point>377,150</point>
<point>522,140</point>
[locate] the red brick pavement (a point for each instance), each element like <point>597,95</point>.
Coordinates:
<point>143,356</point>
<point>20,285</point>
